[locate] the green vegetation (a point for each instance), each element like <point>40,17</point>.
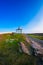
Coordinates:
<point>19,37</point>
<point>9,51</point>
<point>36,36</point>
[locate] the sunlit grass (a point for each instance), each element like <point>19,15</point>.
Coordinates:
<point>36,36</point>
<point>10,55</point>
<point>9,51</point>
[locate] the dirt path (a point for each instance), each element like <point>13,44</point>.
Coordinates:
<point>35,45</point>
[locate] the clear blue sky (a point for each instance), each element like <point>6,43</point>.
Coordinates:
<point>15,13</point>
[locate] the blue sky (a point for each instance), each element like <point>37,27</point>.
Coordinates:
<point>23,13</point>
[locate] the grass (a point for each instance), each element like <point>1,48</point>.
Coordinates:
<point>10,54</point>
<point>36,36</point>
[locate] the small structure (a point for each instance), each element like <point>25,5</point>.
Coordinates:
<point>19,30</point>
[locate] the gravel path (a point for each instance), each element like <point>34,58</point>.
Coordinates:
<point>36,44</point>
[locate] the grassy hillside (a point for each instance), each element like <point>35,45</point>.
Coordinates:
<point>38,36</point>
<point>9,51</point>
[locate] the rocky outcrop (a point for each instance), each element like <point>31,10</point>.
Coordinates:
<point>24,48</point>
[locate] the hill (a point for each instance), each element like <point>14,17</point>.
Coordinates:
<point>10,50</point>
<point>37,35</point>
